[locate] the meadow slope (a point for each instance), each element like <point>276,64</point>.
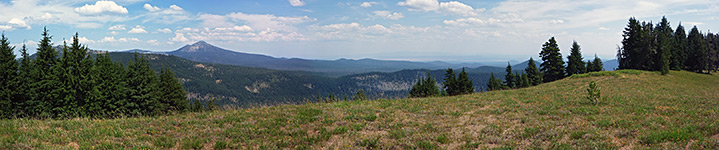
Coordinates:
<point>637,110</point>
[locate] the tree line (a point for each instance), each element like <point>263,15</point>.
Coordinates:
<point>72,83</point>
<point>551,69</point>
<point>646,46</point>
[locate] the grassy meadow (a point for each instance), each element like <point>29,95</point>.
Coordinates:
<point>637,110</point>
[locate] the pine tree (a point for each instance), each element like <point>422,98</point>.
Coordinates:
<point>590,66</point>
<point>533,74</point>
<point>553,66</point>
<point>360,95</point>
<point>494,83</point>
<point>171,92</point>
<point>110,91</point>
<point>664,46</point>
<point>627,54</point>
<point>65,105</point>
<point>143,88</point>
<point>575,63</point>
<point>8,78</point>
<point>450,83</point>
<point>525,80</point>
<point>425,87</point>
<point>22,97</point>
<point>509,77</point>
<point>597,64</point>
<point>696,51</point>
<point>197,106</point>
<point>679,49</point>
<point>42,100</point>
<point>464,83</point>
<point>517,80</point>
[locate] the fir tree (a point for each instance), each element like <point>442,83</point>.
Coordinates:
<point>24,80</point>
<point>425,87</point>
<point>65,105</point>
<point>628,54</point>
<point>553,66</point>
<point>450,83</point>
<point>533,74</point>
<point>517,80</point>
<point>525,80</point>
<point>110,91</point>
<point>464,83</point>
<point>664,46</point>
<point>494,83</point>
<point>8,78</point>
<point>42,99</point>
<point>142,98</point>
<point>679,48</point>
<point>171,92</point>
<point>509,77</point>
<point>590,66</point>
<point>197,106</point>
<point>595,65</point>
<point>697,51</point>
<point>575,63</point>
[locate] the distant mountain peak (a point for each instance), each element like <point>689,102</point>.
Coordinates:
<point>198,46</point>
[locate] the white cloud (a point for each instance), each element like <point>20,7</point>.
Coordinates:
<point>117,28</point>
<point>255,21</point>
<point>137,29</point>
<point>296,3</point>
<point>18,23</point>
<point>170,15</point>
<point>603,28</point>
<point>557,21</point>
<point>451,7</point>
<point>112,39</point>
<point>101,7</point>
<point>5,27</point>
<point>420,5</point>
<point>153,42</point>
<point>243,28</point>
<point>388,15</point>
<point>165,30</point>
<point>459,8</point>
<point>151,8</point>
<point>114,33</point>
<point>180,37</point>
<point>368,4</point>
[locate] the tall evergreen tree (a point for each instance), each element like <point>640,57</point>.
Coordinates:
<point>711,52</point>
<point>464,83</point>
<point>517,80</point>
<point>590,66</point>
<point>23,84</point>
<point>42,99</point>
<point>450,83</point>
<point>533,74</point>
<point>142,95</point>
<point>553,66</point>
<point>525,80</point>
<point>509,77</point>
<point>65,105</point>
<point>575,63</point>
<point>696,51</point>
<point>171,92</point>
<point>627,54</point>
<point>679,48</point>
<point>110,89</point>
<point>8,78</point>
<point>663,33</point>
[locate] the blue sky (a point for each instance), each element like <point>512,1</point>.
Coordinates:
<point>418,30</point>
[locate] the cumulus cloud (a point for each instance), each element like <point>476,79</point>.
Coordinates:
<point>137,29</point>
<point>180,37</point>
<point>117,27</point>
<point>388,15</point>
<point>164,30</point>
<point>151,8</point>
<point>451,7</point>
<point>170,15</point>
<point>18,23</point>
<point>420,5</point>
<point>368,4</point>
<point>101,7</point>
<point>459,8</point>
<point>296,3</point>
<point>255,21</point>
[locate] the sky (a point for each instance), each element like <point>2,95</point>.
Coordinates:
<point>415,30</point>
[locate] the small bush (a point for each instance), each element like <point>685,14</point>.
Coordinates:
<point>442,139</point>
<point>594,93</point>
